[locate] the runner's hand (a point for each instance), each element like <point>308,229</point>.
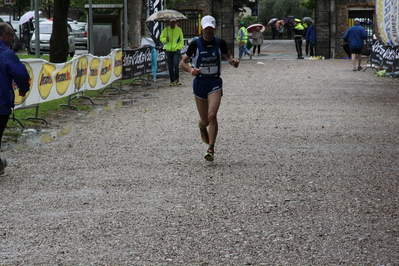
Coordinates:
<point>235,62</point>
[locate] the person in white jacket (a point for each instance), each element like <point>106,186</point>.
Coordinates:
<point>257,40</point>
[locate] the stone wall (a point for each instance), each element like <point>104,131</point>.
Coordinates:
<point>223,12</point>
<point>332,22</point>
<point>204,5</point>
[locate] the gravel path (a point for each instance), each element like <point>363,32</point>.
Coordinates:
<point>305,173</point>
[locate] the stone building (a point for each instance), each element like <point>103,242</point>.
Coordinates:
<point>222,10</point>
<point>333,18</point>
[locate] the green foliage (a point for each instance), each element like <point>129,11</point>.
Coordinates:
<point>280,9</point>
<point>308,4</point>
<point>173,4</point>
<point>248,20</point>
<point>240,4</point>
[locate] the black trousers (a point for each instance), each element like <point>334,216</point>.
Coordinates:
<point>311,48</point>
<point>298,46</point>
<point>256,46</point>
<point>3,124</point>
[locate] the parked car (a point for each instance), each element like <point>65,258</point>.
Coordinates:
<point>80,32</point>
<point>17,43</point>
<point>45,30</point>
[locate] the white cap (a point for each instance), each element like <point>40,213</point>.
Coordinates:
<point>208,21</point>
<point>357,19</point>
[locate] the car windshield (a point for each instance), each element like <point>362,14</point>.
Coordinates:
<point>46,29</point>
<point>78,27</point>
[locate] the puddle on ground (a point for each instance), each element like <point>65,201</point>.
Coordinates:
<point>33,136</point>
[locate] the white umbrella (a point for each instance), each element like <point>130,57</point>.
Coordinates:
<point>27,16</point>
<point>166,15</point>
<point>272,21</point>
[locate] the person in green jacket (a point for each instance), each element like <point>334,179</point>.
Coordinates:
<point>299,32</point>
<point>173,39</point>
<point>242,38</point>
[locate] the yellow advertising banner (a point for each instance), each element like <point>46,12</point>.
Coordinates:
<point>45,81</point>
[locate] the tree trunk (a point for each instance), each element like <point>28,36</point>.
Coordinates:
<point>134,13</point>
<point>59,38</point>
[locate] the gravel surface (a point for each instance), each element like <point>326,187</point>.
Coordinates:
<point>305,173</point>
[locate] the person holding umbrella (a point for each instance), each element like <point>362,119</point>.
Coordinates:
<point>257,39</point>
<point>173,39</point>
<point>242,38</point>
<point>206,53</point>
<point>299,31</point>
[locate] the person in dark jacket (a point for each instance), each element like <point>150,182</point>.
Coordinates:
<point>311,38</point>
<point>355,36</point>
<point>299,34</point>
<point>11,69</point>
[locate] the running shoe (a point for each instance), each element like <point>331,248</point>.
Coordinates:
<point>354,68</point>
<point>3,164</point>
<point>209,155</point>
<point>204,135</point>
<point>359,68</point>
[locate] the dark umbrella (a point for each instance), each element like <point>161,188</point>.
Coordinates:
<point>253,27</point>
<point>166,15</point>
<point>289,19</point>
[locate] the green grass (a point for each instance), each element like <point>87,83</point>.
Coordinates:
<point>46,109</point>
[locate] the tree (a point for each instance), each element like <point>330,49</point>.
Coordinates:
<point>282,8</point>
<point>308,4</point>
<point>20,7</point>
<point>134,17</point>
<point>59,38</point>
<point>173,4</point>
<point>47,6</point>
<point>240,4</point>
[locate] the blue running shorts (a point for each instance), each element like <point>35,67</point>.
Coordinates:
<point>202,87</point>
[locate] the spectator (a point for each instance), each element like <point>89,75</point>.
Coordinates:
<point>311,38</point>
<point>242,38</point>
<point>173,39</point>
<point>257,40</point>
<point>355,36</point>
<point>11,69</point>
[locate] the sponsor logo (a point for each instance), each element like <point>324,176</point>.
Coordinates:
<point>63,78</point>
<point>118,64</point>
<point>93,75</point>
<point>45,80</point>
<point>106,69</point>
<point>81,72</point>
<point>19,99</point>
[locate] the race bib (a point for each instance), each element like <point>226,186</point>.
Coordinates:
<point>209,70</point>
